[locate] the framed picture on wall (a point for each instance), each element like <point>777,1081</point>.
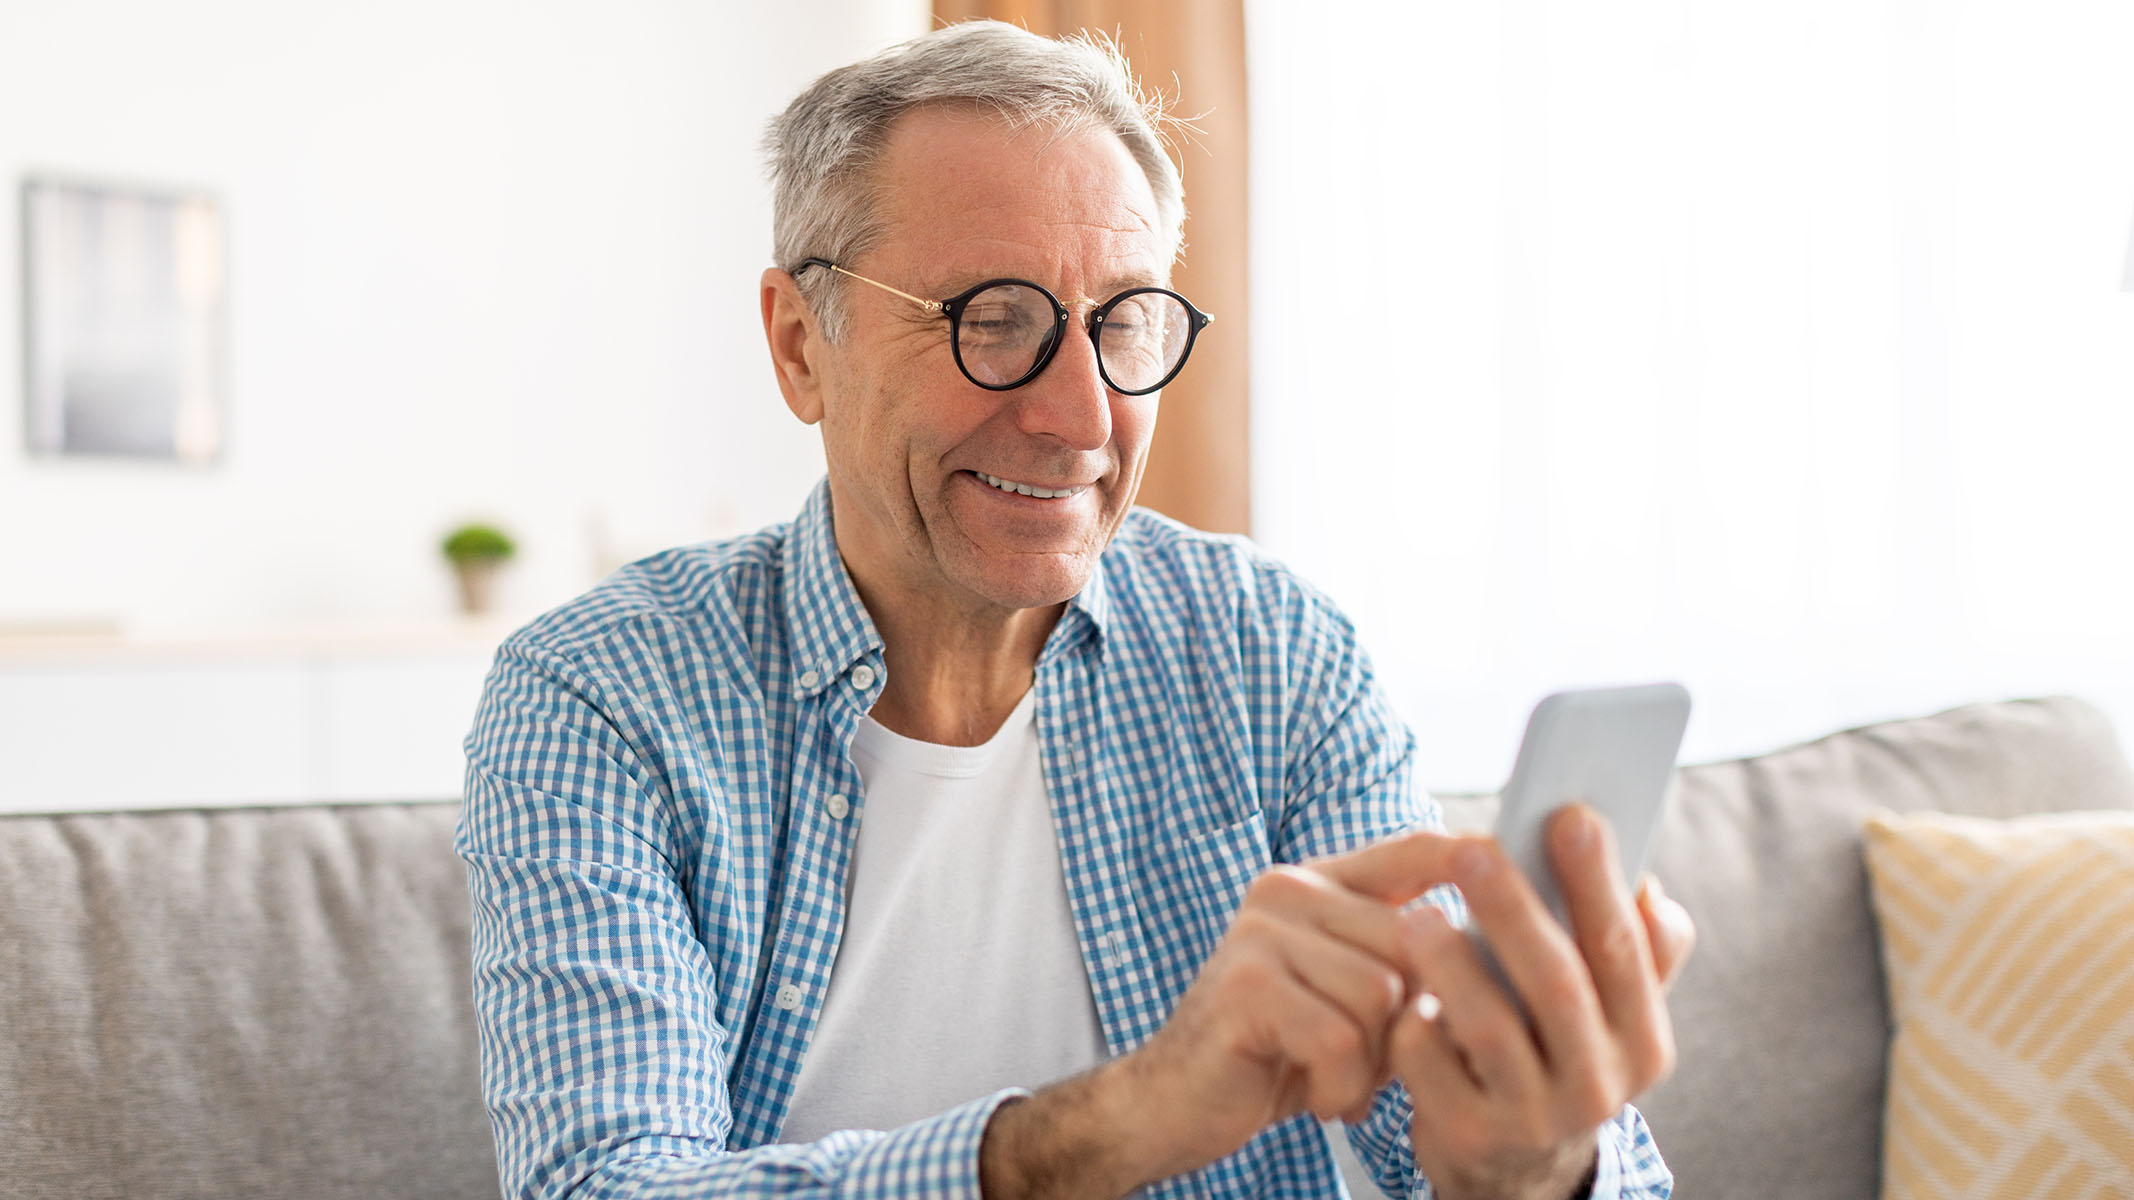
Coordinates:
<point>125,315</point>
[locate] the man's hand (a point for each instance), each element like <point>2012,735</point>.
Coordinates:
<point>1291,1013</point>
<point>1308,1004</point>
<point>1508,1109</point>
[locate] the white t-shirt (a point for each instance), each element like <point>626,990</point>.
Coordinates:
<point>959,972</point>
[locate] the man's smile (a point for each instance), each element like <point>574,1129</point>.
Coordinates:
<point>1029,489</point>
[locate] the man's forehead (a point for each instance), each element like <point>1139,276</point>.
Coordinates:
<point>961,194</point>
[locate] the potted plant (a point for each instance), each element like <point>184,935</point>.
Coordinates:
<point>477,553</point>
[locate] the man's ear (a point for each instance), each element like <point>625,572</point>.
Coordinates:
<point>796,344</point>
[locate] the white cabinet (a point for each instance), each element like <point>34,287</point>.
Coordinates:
<point>342,716</point>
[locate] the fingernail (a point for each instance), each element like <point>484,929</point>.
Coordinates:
<point>1585,828</point>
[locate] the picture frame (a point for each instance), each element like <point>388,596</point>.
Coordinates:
<point>125,307</point>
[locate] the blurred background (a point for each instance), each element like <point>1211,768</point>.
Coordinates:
<point>1783,350</point>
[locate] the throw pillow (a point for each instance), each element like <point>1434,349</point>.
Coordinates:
<point>2009,949</point>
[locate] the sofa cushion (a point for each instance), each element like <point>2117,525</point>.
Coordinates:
<point>2010,952</point>
<point>1780,1019</point>
<point>238,1003</point>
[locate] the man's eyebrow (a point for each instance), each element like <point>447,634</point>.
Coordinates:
<point>1131,280</point>
<point>963,281</point>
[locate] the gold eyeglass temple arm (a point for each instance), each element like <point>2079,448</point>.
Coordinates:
<point>928,305</point>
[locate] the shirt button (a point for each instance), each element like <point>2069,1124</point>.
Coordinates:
<point>788,997</point>
<point>809,679</point>
<point>838,807</point>
<point>862,677</point>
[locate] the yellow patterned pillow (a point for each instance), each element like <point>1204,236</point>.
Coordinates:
<point>2010,952</point>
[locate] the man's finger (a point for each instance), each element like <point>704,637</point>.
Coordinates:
<point>1541,960</point>
<point>1427,1061</point>
<point>1366,989</point>
<point>1475,1014</point>
<point>1319,1041</point>
<point>1397,869</point>
<point>1309,898</point>
<point>1611,934</point>
<point>1668,927</point>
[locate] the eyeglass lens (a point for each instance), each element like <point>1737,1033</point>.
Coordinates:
<point>1007,329</point>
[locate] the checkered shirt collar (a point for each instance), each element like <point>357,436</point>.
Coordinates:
<point>829,629</point>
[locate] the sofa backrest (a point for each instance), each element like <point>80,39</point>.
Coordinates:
<point>276,1002</point>
<point>1781,1022</point>
<point>238,1003</point>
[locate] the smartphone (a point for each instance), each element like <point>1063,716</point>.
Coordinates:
<point>1612,749</point>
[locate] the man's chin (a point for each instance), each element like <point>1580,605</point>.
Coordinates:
<point>1032,580</point>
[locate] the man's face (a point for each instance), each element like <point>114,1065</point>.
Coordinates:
<point>910,441</point>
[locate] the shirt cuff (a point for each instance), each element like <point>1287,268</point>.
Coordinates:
<point>1627,1168</point>
<point>935,1157</point>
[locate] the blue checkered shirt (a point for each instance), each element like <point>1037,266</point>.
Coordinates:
<point>658,875</point>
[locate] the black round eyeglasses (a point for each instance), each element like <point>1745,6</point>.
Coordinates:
<point>1005,331</point>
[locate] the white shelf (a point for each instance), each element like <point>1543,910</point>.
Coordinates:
<point>98,720</point>
<point>88,642</point>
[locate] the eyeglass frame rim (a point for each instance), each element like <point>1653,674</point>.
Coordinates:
<point>953,307</point>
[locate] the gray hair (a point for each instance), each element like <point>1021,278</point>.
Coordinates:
<point>824,148</point>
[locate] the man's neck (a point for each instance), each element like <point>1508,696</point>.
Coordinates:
<point>955,676</point>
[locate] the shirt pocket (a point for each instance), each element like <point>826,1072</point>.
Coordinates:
<point>1205,879</point>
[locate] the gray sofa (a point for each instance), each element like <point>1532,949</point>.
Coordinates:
<point>274,1002</point>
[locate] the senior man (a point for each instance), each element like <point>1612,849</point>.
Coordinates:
<point>976,833</point>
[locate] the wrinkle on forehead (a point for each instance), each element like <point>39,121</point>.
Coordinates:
<point>1097,275</point>
<point>951,183</point>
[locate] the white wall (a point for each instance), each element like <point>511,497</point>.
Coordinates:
<point>1778,348</point>
<point>488,259</point>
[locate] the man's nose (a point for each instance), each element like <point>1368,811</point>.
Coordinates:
<point>1068,400</point>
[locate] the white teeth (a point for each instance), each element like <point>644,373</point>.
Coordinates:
<point>1025,489</point>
